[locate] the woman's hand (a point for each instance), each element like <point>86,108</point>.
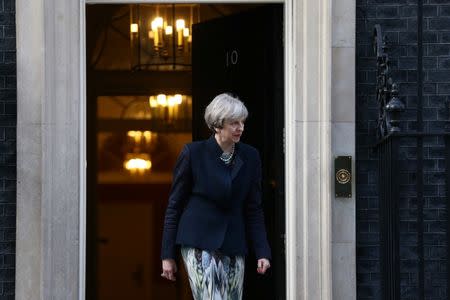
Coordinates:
<point>169,268</point>
<point>263,265</point>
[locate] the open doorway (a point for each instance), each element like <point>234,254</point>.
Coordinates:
<point>144,102</point>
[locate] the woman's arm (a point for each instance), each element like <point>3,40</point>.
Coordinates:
<point>255,216</point>
<point>179,193</point>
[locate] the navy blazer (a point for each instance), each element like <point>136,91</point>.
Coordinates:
<point>213,205</point>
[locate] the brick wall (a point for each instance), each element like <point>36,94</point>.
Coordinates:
<point>8,120</point>
<point>436,94</point>
<point>398,19</point>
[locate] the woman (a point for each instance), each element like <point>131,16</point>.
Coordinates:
<point>215,205</point>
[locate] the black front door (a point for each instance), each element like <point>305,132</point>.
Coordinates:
<point>243,54</point>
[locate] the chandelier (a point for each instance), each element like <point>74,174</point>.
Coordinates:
<point>161,36</point>
<point>170,107</point>
<point>139,162</point>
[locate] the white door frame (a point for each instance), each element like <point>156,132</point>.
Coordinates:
<point>51,138</point>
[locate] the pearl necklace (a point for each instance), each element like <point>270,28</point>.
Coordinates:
<point>226,157</point>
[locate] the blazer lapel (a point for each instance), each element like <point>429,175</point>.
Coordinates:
<point>238,162</point>
<point>217,151</point>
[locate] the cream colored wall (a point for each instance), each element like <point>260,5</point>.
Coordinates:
<point>48,150</point>
<point>29,145</point>
<point>343,143</point>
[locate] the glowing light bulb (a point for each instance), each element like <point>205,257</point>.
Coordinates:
<point>158,22</point>
<point>180,24</point>
<point>154,26</point>
<point>147,136</point>
<point>152,101</point>
<point>172,101</point>
<point>161,99</point>
<point>134,28</point>
<point>178,98</point>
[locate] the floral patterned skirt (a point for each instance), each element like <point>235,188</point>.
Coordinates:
<point>213,275</point>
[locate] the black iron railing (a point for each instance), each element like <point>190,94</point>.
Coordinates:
<point>413,191</point>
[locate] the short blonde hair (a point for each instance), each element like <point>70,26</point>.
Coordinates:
<point>222,108</point>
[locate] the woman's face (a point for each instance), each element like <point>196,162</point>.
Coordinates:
<point>232,130</point>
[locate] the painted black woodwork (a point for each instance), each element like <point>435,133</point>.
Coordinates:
<point>243,54</point>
